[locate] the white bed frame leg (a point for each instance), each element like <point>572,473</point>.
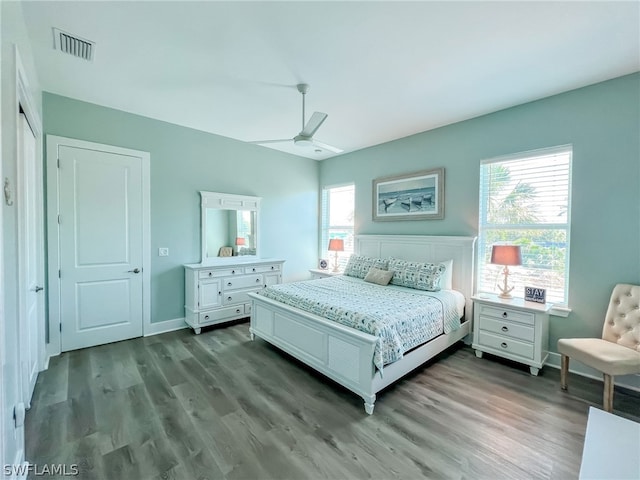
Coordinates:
<point>252,336</point>
<point>368,405</point>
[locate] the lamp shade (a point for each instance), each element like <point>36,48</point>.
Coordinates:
<point>336,245</point>
<point>506,255</point>
<point>240,241</point>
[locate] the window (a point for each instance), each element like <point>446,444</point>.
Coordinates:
<point>525,199</point>
<point>338,212</point>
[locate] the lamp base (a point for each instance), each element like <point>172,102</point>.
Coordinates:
<point>335,264</point>
<point>505,291</point>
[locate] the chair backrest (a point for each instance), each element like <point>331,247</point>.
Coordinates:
<point>225,252</point>
<point>622,322</point>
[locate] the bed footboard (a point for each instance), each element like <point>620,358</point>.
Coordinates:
<point>341,353</point>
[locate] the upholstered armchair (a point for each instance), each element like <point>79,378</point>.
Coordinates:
<point>618,351</point>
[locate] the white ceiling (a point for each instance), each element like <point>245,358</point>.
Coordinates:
<point>381,70</point>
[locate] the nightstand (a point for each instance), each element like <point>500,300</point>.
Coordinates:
<point>319,273</point>
<point>511,328</point>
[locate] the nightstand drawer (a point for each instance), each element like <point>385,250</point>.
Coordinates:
<point>508,314</point>
<point>506,344</point>
<point>506,328</point>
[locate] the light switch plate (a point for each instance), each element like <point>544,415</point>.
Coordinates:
<point>163,252</point>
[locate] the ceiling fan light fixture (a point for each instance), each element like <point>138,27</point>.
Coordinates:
<point>302,141</point>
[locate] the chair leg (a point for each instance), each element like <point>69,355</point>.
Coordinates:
<point>564,370</point>
<point>607,401</point>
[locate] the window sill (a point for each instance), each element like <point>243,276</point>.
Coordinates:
<point>560,311</point>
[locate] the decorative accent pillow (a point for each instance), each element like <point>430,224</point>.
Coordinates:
<point>377,276</point>
<point>421,276</point>
<point>358,265</point>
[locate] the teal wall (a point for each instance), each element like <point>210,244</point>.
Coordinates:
<point>601,121</point>
<point>603,125</point>
<point>185,161</point>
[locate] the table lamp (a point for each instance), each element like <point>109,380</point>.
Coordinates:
<point>506,255</point>
<point>240,242</point>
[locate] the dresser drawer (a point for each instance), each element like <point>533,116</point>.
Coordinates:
<point>263,268</point>
<point>507,314</point>
<point>506,344</point>
<point>224,272</point>
<point>245,281</point>
<point>506,328</point>
<point>221,314</point>
<point>241,296</point>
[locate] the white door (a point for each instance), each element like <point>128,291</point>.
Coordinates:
<point>31,326</point>
<point>101,246</point>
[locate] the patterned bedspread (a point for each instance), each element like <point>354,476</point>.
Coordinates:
<point>401,318</point>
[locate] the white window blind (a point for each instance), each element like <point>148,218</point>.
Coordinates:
<point>338,214</point>
<point>525,199</point>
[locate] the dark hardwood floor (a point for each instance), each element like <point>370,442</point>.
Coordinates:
<point>216,405</point>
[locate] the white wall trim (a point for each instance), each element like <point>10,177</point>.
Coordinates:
<point>165,327</point>
<point>53,143</point>
<point>3,338</point>
<point>632,382</point>
<point>25,102</point>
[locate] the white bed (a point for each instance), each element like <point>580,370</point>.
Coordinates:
<point>345,354</point>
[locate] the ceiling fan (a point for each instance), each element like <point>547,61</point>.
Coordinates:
<point>305,137</point>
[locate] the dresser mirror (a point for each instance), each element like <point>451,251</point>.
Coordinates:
<point>229,225</point>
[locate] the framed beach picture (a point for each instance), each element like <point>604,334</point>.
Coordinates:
<point>414,196</point>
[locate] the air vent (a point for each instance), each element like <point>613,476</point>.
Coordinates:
<point>73,45</point>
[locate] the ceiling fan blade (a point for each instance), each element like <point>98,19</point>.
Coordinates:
<point>259,142</point>
<point>327,147</point>
<point>313,124</point>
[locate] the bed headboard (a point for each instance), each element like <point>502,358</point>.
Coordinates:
<point>427,248</point>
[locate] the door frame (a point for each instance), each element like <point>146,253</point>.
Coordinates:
<point>25,107</point>
<point>53,240</point>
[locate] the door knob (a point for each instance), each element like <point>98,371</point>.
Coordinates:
<point>135,270</point>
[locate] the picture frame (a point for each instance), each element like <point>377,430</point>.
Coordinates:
<point>535,294</point>
<point>323,264</point>
<point>412,196</point>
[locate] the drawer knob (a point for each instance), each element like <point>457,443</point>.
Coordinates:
<point>206,317</point>
<point>254,269</point>
<point>272,267</point>
<point>228,284</point>
<point>505,314</point>
<point>503,344</point>
<point>257,280</point>
<point>229,298</point>
<point>232,272</point>
<point>237,310</point>
<point>505,329</point>
<point>210,273</point>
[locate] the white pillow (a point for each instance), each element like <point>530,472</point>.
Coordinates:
<point>446,280</point>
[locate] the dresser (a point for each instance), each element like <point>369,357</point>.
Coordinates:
<point>217,291</point>
<point>511,328</point>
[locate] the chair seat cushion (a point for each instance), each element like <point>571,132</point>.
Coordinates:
<point>608,357</point>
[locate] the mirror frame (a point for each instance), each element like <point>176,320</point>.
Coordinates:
<point>226,201</point>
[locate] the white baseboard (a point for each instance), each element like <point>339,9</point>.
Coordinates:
<point>631,382</point>
<point>164,327</point>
